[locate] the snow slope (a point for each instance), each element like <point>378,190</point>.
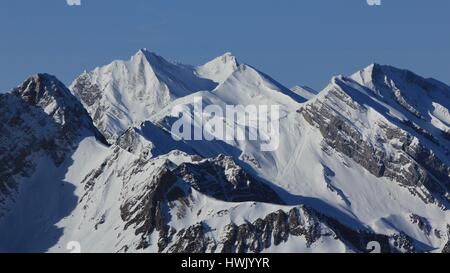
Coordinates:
<point>304,91</point>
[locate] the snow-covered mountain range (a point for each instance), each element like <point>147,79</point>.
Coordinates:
<point>364,160</point>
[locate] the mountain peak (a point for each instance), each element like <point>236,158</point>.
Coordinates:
<point>41,89</point>
<point>144,51</point>
<point>220,68</point>
<point>41,77</point>
<point>367,75</point>
<point>376,70</point>
<point>124,93</point>
<point>304,91</point>
<point>46,94</point>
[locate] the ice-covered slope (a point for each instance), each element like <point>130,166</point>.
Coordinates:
<point>125,93</point>
<point>41,115</point>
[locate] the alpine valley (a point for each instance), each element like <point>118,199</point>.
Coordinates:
<point>367,159</point>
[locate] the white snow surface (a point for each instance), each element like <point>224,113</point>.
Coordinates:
<point>304,91</point>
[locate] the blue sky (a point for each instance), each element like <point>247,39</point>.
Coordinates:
<point>295,41</point>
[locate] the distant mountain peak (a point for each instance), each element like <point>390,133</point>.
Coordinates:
<point>148,60</point>
<point>43,89</point>
<point>124,93</point>
<point>220,68</point>
<point>145,51</point>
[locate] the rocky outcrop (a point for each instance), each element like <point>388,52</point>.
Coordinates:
<point>89,93</point>
<point>193,239</point>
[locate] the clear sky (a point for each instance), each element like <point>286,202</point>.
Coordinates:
<point>295,41</point>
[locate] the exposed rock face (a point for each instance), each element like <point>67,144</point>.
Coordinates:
<point>223,179</point>
<point>133,142</point>
<point>50,96</point>
<point>385,150</point>
<point>274,229</point>
<point>263,233</point>
<point>41,115</point>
